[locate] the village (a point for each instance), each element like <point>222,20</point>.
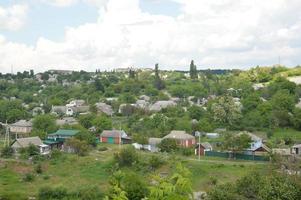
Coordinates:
<point>150,117</point>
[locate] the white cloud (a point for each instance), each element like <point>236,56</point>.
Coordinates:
<point>60,3</point>
<point>220,33</point>
<point>13,17</point>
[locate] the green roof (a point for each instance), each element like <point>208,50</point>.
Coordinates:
<point>50,142</point>
<point>65,132</point>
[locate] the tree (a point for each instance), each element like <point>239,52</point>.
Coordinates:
<point>283,100</point>
<point>79,147</point>
<point>98,85</point>
<point>134,186</point>
<point>168,145</point>
<point>177,186</point>
<point>297,118</point>
<point>102,123</point>
<point>236,143</point>
<point>44,123</point>
<point>158,82</point>
<point>132,74</point>
<point>86,120</point>
<point>196,112</point>
<point>226,111</point>
<point>193,70</point>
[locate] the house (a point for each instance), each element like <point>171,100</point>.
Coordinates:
<point>159,105</point>
<point>37,111</point>
<point>70,111</point>
<point>76,103</point>
<point>58,110</point>
<point>66,121</point>
<point>143,104</point>
<point>212,135</point>
<point>201,148</point>
<point>57,139</point>
<point>26,142</point>
<point>256,147</point>
<point>21,127</point>
<point>104,108</point>
<point>183,139</point>
<point>153,144</point>
<point>296,149</point>
<point>114,137</point>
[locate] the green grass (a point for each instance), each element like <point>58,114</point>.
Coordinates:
<point>279,136</point>
<point>73,172</point>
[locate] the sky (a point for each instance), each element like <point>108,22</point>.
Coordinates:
<point>108,34</point>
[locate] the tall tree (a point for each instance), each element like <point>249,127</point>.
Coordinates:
<point>193,70</point>
<point>158,83</point>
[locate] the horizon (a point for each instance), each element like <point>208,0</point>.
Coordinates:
<point>102,34</point>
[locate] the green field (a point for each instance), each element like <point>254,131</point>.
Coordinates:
<point>73,172</point>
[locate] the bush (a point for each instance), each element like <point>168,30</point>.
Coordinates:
<point>102,148</point>
<point>39,169</point>
<point>168,145</point>
<point>126,157</point>
<point>187,151</point>
<point>155,162</point>
<point>28,177</point>
<point>47,193</point>
<point>55,154</point>
<point>7,152</point>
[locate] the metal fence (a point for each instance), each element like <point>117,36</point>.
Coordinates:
<point>239,156</point>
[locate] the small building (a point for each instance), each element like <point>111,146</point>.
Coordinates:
<point>202,148</point>
<point>76,103</point>
<point>66,121</point>
<point>153,144</point>
<point>57,139</point>
<point>256,147</point>
<point>296,149</point>
<point>26,142</point>
<point>104,108</point>
<point>114,137</point>
<point>21,128</point>
<point>212,135</point>
<point>183,139</point>
<point>159,105</point>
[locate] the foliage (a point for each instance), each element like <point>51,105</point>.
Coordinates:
<point>44,123</point>
<point>28,177</point>
<point>168,145</point>
<point>77,146</point>
<point>235,143</point>
<point>7,152</point>
<point>126,156</point>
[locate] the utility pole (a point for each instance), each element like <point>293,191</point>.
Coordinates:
<point>199,144</point>
<point>7,136</point>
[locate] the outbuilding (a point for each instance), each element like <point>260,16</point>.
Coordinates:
<point>114,137</point>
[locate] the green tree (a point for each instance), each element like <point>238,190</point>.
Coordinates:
<point>193,70</point>
<point>102,123</point>
<point>235,143</point>
<point>226,111</point>
<point>79,147</point>
<point>126,156</point>
<point>44,123</point>
<point>168,145</point>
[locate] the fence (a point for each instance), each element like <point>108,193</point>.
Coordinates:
<point>236,156</point>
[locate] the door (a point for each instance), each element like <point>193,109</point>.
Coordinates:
<point>111,140</point>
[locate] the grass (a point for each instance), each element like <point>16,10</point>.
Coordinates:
<point>73,172</point>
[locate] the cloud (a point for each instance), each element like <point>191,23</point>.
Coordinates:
<point>220,33</point>
<point>60,3</point>
<point>13,18</point>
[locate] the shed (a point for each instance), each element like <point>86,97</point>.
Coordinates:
<point>183,139</point>
<point>202,148</point>
<point>114,137</point>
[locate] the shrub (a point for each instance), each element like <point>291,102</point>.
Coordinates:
<point>155,162</point>
<point>102,148</point>
<point>187,151</point>
<point>7,152</point>
<point>168,145</point>
<point>126,157</point>
<point>39,169</point>
<point>28,177</point>
<point>213,180</point>
<point>47,193</point>
<point>55,154</point>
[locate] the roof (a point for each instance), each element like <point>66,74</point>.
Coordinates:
<point>297,146</point>
<point>114,133</point>
<point>161,104</point>
<point>206,145</point>
<point>264,147</point>
<point>181,135</point>
<point>64,132</point>
<point>154,141</point>
<point>22,123</point>
<point>80,109</point>
<point>105,108</point>
<point>25,142</point>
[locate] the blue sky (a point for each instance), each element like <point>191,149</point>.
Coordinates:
<point>106,34</point>
<point>50,21</point>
